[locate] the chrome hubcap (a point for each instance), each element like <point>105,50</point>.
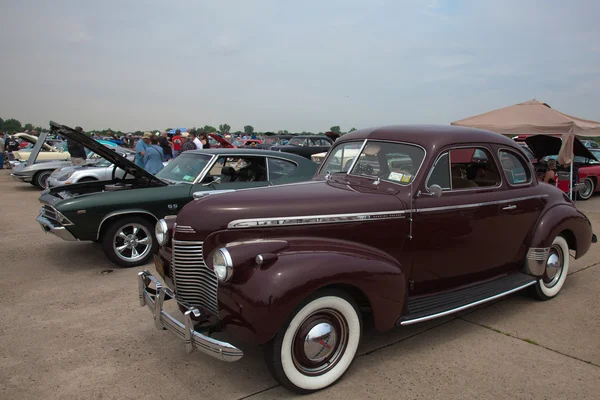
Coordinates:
<point>320,342</point>
<point>587,189</point>
<point>132,242</point>
<point>554,265</point>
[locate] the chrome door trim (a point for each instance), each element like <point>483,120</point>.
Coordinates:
<point>202,173</point>
<point>487,203</point>
<point>476,303</point>
<point>316,219</point>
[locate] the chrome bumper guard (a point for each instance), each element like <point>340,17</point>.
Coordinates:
<point>60,231</point>
<point>162,320</point>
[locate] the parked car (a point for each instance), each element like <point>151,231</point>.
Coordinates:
<point>274,140</point>
<point>241,143</point>
<point>218,142</point>
<point>123,211</point>
<point>99,169</point>
<point>591,144</point>
<point>48,153</point>
<point>424,223</point>
<point>305,145</point>
<point>586,168</point>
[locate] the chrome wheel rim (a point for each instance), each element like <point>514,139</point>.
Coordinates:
<point>43,180</point>
<point>587,189</point>
<point>132,242</point>
<point>554,266</point>
<point>320,342</point>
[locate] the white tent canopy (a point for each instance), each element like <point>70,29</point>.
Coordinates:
<point>534,117</point>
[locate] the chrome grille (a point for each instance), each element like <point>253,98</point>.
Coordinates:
<point>184,229</point>
<point>195,283</point>
<point>50,213</point>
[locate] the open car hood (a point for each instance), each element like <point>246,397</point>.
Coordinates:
<point>111,155</point>
<point>544,145</point>
<point>36,148</point>
<point>222,142</point>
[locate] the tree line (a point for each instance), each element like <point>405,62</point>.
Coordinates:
<point>12,126</point>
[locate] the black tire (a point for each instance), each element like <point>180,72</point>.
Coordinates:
<point>551,283</point>
<point>588,191</point>
<point>40,179</point>
<point>292,366</point>
<point>127,259</point>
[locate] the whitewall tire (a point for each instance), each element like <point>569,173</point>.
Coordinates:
<point>556,271</point>
<point>319,343</point>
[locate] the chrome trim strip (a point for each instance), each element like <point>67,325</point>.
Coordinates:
<point>115,213</point>
<point>184,229</point>
<point>538,253</point>
<point>457,309</point>
<point>473,205</point>
<point>535,261</point>
<point>354,217</point>
<point>316,219</point>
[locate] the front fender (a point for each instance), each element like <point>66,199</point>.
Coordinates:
<point>261,299</point>
<point>562,218</point>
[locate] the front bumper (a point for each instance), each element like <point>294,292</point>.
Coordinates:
<point>194,340</point>
<point>53,182</point>
<point>22,178</point>
<point>49,226</point>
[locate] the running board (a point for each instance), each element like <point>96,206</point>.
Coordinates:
<point>424,308</point>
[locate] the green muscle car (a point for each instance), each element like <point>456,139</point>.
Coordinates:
<point>121,213</point>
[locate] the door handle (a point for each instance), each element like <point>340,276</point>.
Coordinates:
<point>511,207</point>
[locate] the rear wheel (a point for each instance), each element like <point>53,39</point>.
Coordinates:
<point>129,241</point>
<point>588,189</point>
<point>40,180</point>
<point>556,271</point>
<point>319,343</point>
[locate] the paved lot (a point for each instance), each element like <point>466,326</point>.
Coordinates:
<point>72,330</point>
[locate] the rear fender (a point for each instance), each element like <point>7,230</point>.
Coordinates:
<point>261,298</point>
<point>561,219</point>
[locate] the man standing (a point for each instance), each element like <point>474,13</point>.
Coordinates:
<point>140,149</point>
<point>2,148</point>
<point>188,144</point>
<point>177,142</point>
<point>76,149</point>
<point>166,146</point>
<point>196,141</point>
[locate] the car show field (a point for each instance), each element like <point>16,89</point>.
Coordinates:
<point>72,328</point>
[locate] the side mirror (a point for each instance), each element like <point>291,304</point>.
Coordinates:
<point>435,191</point>
<point>215,180</point>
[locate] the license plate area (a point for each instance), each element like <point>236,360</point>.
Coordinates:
<point>159,265</point>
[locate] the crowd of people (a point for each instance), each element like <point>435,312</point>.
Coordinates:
<point>153,149</point>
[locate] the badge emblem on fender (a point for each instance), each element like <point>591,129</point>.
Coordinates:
<point>172,206</point>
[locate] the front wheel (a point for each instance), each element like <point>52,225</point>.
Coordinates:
<point>555,273</point>
<point>588,189</point>
<point>318,345</point>
<point>129,241</point>
<point>41,179</point>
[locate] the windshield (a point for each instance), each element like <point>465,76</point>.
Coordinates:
<point>341,157</point>
<point>185,168</point>
<point>389,161</point>
<point>271,141</point>
<point>238,143</point>
<point>596,153</point>
<point>297,141</point>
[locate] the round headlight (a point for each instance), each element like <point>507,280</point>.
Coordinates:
<point>161,232</point>
<point>222,264</point>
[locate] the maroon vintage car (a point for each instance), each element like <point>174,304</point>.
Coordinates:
<point>424,222</point>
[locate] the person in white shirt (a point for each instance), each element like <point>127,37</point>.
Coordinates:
<point>196,140</point>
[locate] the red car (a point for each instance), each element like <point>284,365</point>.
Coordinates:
<point>217,142</point>
<point>586,167</point>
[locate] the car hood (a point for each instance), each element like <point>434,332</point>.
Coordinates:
<point>224,143</point>
<point>111,155</point>
<point>314,198</point>
<point>544,145</point>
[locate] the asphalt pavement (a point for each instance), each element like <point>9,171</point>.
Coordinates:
<point>71,328</point>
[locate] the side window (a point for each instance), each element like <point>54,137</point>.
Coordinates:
<point>237,169</point>
<point>440,175</point>
<point>464,168</point>
<point>515,169</point>
<point>279,168</point>
<point>325,143</point>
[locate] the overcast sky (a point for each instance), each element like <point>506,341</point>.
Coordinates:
<point>295,65</point>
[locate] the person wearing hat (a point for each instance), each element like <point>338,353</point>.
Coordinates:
<point>141,147</point>
<point>187,143</point>
<point>76,150</point>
